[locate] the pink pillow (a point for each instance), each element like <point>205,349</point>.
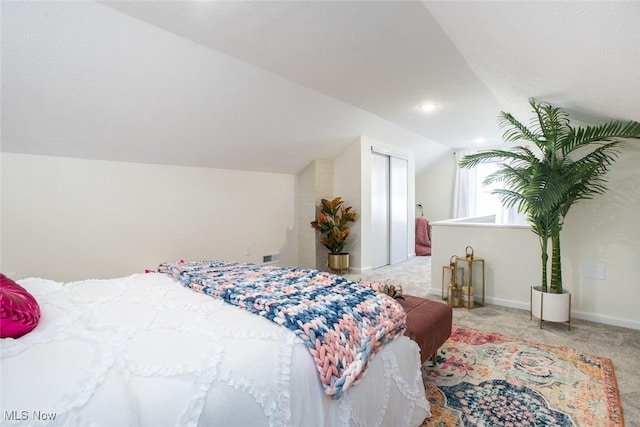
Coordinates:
<point>19,310</point>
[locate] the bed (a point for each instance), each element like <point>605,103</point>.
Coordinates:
<point>146,350</point>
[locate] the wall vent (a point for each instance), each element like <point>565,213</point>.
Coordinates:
<point>271,259</point>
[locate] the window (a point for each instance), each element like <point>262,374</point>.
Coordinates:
<point>486,203</point>
<point>473,198</point>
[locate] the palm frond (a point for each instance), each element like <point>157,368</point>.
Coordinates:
<point>510,198</point>
<point>552,121</point>
<point>516,131</point>
<point>515,178</point>
<point>472,160</point>
<point>587,176</point>
<point>614,131</point>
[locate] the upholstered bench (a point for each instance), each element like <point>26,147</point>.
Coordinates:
<point>428,323</point>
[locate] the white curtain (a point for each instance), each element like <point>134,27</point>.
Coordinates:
<point>464,193</point>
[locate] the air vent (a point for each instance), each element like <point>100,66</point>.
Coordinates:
<point>271,259</point>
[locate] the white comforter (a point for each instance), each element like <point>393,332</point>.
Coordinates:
<point>144,351</point>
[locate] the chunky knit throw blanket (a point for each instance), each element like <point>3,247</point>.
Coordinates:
<point>342,323</point>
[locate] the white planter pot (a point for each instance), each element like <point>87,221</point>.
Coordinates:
<point>550,307</point>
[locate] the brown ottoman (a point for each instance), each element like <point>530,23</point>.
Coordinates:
<point>428,324</point>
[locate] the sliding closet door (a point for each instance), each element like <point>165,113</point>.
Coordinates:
<point>389,209</point>
<point>399,170</point>
<point>379,210</point>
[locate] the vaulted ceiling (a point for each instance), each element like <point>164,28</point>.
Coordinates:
<point>273,85</point>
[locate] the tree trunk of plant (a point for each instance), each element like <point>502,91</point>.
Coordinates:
<point>545,260</point>
<point>556,269</point>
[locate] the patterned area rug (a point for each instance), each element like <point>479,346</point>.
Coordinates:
<point>487,379</point>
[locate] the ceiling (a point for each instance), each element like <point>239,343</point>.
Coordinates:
<point>273,85</point>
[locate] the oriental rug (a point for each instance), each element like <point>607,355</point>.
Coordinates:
<point>488,379</point>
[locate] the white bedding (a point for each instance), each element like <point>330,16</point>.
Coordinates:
<point>144,351</point>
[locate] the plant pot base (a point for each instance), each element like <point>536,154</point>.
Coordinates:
<point>549,307</point>
<point>338,262</point>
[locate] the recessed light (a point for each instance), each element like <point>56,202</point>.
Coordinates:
<point>480,140</point>
<point>427,107</point>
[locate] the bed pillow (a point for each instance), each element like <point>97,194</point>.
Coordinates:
<point>19,310</point>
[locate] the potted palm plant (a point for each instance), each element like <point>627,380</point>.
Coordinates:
<point>558,166</point>
<point>333,220</point>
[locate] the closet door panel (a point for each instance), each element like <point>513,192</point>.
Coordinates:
<point>399,215</point>
<point>379,210</point>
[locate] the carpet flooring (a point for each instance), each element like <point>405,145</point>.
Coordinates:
<point>488,379</point>
<point>621,345</point>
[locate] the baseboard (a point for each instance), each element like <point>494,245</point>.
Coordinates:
<point>582,315</point>
<point>358,270</point>
<point>607,320</point>
<point>508,303</point>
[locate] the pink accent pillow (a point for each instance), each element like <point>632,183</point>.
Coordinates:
<point>19,310</point>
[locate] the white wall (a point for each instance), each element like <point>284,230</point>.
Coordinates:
<point>600,249</point>
<point>511,253</point>
<point>306,205</point>
<point>601,246</point>
<point>434,188</point>
<point>347,183</point>
<point>70,219</point>
<point>313,183</point>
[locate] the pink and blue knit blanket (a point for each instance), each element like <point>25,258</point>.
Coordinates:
<point>342,323</point>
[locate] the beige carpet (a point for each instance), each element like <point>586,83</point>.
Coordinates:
<point>621,345</point>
